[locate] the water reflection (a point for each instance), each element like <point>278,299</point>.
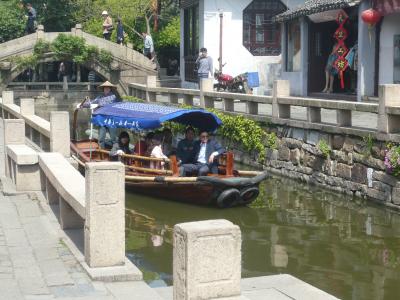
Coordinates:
<point>341,245</point>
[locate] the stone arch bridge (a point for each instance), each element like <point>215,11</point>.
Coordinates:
<point>127,66</point>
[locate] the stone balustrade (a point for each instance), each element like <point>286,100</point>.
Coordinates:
<point>283,109</point>
<point>53,86</point>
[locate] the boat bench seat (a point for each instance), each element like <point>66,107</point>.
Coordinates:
<point>23,168</point>
<point>65,179</point>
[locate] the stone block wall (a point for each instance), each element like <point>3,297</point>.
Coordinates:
<point>351,167</point>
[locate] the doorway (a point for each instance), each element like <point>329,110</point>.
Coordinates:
<point>321,44</point>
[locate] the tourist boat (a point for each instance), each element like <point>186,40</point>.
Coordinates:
<point>228,188</point>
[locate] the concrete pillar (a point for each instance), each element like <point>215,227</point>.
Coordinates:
<point>173,98</point>
<point>389,95</point>
<point>13,133</point>
<point>252,108</point>
<point>151,82</point>
<point>343,118</point>
<point>78,30</point>
<point>8,97</point>
<point>314,114</point>
<point>105,214</point>
<point>206,85</point>
<point>206,260</point>
<point>281,88</point>
<point>65,83</point>
<point>27,106</point>
<point>69,219</point>
<point>229,105</point>
<point>40,32</point>
<point>188,100</point>
<point>60,133</point>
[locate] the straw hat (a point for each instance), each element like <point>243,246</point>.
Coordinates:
<point>104,13</point>
<point>107,84</point>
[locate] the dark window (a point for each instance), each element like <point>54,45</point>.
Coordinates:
<point>191,40</point>
<point>260,35</point>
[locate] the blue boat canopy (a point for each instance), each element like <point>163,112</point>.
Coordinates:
<point>143,116</point>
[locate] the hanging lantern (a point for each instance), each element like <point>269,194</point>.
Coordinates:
<point>371,16</point>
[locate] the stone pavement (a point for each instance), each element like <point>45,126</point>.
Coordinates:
<point>35,263</point>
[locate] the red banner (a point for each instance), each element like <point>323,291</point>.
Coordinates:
<point>386,7</point>
<point>341,50</point>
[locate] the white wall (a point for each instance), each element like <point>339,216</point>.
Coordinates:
<point>237,58</point>
<point>390,27</point>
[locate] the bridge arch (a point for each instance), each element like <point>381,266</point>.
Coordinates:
<point>127,66</point>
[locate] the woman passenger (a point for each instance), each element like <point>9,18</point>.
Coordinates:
<point>122,147</point>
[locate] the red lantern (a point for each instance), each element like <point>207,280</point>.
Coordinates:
<point>371,16</point>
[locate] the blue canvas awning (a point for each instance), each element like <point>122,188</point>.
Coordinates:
<point>143,116</point>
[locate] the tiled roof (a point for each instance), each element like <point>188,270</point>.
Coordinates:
<point>314,6</point>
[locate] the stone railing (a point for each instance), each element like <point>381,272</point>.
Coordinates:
<point>381,120</point>
<point>53,86</point>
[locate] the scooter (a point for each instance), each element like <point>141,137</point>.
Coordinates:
<point>230,84</point>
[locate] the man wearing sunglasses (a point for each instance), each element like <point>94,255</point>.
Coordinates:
<point>207,150</point>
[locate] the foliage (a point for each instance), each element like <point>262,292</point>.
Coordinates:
<point>26,62</point>
<point>105,57</point>
<point>12,23</point>
<point>272,141</point>
<point>169,35</point>
<point>324,148</point>
<point>369,143</point>
<point>70,48</point>
<point>392,159</point>
<point>41,47</point>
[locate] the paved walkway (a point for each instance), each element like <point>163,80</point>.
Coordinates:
<point>35,264</point>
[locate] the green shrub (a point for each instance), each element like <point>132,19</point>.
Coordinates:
<point>25,62</point>
<point>369,143</point>
<point>324,148</point>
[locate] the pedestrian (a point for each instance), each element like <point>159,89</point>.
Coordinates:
<point>204,64</point>
<point>107,98</point>
<point>61,71</point>
<point>31,19</point>
<point>107,25</point>
<point>120,32</point>
<point>148,49</point>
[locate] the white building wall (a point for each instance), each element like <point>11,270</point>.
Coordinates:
<point>390,27</point>
<point>237,58</point>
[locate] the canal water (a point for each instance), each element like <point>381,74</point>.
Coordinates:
<point>341,245</point>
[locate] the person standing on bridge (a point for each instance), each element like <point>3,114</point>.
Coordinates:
<point>31,19</point>
<point>107,98</point>
<point>120,32</point>
<point>107,25</point>
<point>148,49</point>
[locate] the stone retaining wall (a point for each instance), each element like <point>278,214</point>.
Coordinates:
<point>351,167</point>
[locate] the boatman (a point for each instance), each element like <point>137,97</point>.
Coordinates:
<point>186,152</point>
<point>207,151</point>
<point>107,98</point>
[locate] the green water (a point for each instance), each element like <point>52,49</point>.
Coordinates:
<point>341,245</point>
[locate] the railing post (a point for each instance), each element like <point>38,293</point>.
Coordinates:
<point>314,114</point>
<point>78,30</point>
<point>65,83</point>
<point>343,117</point>
<point>188,99</point>
<point>281,88</point>
<point>251,108</point>
<point>229,104</point>
<point>389,95</point>
<point>173,98</point>
<point>151,82</point>
<point>12,133</point>
<point>206,85</point>
<point>60,133</point>
<point>27,106</point>
<point>206,260</point>
<point>105,214</point>
<point>40,32</point>
<point>8,97</point>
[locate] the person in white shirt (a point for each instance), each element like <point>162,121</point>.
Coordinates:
<point>157,152</point>
<point>148,50</point>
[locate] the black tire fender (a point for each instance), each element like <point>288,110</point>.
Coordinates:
<point>249,195</point>
<point>228,198</point>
